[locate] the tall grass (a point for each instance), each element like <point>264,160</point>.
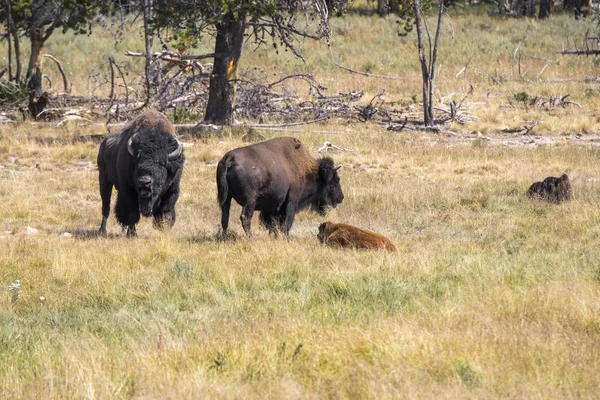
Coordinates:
<point>490,295</point>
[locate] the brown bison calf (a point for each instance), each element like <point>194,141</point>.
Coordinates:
<point>555,190</point>
<point>343,235</point>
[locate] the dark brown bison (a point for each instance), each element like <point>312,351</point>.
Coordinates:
<point>277,177</point>
<point>144,162</point>
<point>555,190</point>
<point>344,235</point>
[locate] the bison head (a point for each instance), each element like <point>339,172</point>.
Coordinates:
<point>329,190</point>
<point>157,158</point>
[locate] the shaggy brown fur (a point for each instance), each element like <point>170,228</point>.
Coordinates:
<point>278,177</point>
<point>144,162</point>
<point>555,190</point>
<point>344,235</point>
<point>535,190</point>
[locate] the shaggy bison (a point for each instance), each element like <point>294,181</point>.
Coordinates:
<point>279,178</point>
<point>143,161</point>
<point>555,190</point>
<point>343,235</point>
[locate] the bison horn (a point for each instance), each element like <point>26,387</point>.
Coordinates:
<point>130,145</point>
<point>177,152</point>
<point>338,167</point>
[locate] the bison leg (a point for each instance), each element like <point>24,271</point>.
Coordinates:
<point>225,214</point>
<point>246,217</point>
<point>288,218</point>
<point>164,219</point>
<point>270,221</point>
<point>105,194</point>
<point>166,216</point>
<point>131,232</point>
<point>127,210</point>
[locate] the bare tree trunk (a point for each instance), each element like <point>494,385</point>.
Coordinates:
<point>427,70</point>
<point>427,116</point>
<point>545,8</point>
<point>529,10</point>
<point>15,36</point>
<point>228,49</point>
<point>37,98</point>
<point>34,69</point>
<point>434,60</point>
<point>517,8</point>
<point>9,37</point>
<point>151,79</point>
<point>383,7</point>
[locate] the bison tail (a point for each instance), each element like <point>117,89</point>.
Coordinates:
<point>222,186</point>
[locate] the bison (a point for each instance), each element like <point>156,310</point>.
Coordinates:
<point>277,177</point>
<point>344,235</point>
<point>555,190</point>
<point>144,162</point>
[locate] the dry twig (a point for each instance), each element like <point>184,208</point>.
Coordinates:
<point>333,147</point>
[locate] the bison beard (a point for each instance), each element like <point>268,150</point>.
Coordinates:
<point>144,162</point>
<point>344,235</point>
<point>279,178</point>
<point>555,190</point>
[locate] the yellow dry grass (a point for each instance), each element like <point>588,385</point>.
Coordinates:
<point>489,296</point>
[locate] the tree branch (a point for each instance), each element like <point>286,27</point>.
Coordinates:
<point>171,56</point>
<point>62,71</point>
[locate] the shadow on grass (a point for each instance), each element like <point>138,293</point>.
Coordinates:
<point>229,237</point>
<point>91,234</point>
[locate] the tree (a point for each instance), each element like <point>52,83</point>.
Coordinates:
<point>517,8</point>
<point>38,19</point>
<point>545,8</point>
<point>230,22</point>
<point>414,16</point>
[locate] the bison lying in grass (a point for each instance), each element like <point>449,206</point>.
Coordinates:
<point>343,235</point>
<point>144,162</point>
<point>555,190</point>
<point>279,178</point>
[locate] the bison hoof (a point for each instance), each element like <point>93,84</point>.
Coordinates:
<point>164,222</point>
<point>131,232</point>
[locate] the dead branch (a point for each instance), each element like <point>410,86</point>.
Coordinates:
<point>542,71</point>
<point>111,96</point>
<point>398,128</point>
<point>463,68</point>
<point>171,56</point>
<point>62,72</point>
<point>589,52</point>
<point>74,118</point>
<point>287,124</point>
<point>370,75</point>
<point>522,131</point>
<point>372,108</point>
<point>518,52</point>
<point>559,101</point>
<point>429,129</point>
<point>333,147</point>
<point>44,76</point>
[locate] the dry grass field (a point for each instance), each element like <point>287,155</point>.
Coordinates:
<point>490,295</point>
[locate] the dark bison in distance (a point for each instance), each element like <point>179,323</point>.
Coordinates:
<point>555,190</point>
<point>144,162</point>
<point>279,178</point>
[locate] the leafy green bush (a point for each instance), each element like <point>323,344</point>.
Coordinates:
<point>11,92</point>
